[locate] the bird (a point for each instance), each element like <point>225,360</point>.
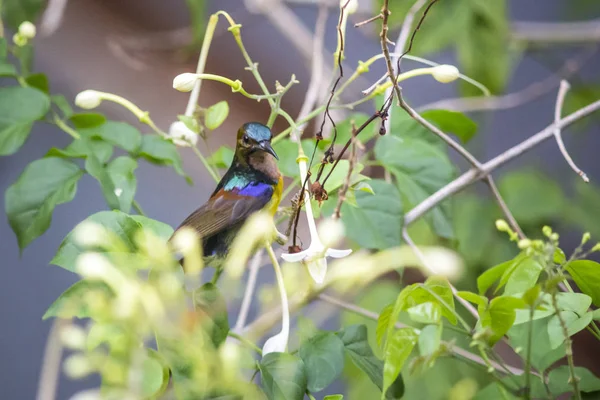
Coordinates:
<point>252,183</point>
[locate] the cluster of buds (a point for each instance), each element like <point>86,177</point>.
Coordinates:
<point>25,34</point>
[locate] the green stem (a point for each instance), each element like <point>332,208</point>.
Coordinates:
<point>208,167</point>
<point>528,359</point>
<point>62,125</point>
<point>245,341</point>
<point>453,311</point>
<point>568,349</point>
<point>137,207</point>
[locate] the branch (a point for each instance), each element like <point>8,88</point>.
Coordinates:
<point>51,362</point>
<point>560,99</point>
<point>557,32</point>
<point>250,285</point>
<point>473,175</point>
<point>504,207</point>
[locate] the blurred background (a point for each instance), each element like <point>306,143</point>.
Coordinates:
<point>134,48</point>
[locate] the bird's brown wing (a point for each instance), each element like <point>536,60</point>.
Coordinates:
<point>225,209</point>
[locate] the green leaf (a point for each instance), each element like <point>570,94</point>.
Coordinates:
<point>121,225</point>
<point>420,169</point>
<point>358,349</point>
<point>197,13</point>
<point>474,227</point>
<point>87,120</point>
<point>383,322</point>
<point>344,131</point>
<point>82,147</point>
<point>489,277</point>
<point>426,313</point>
<point>288,153</point>
<point>222,158</point>
<point>377,221</point>
<point>71,303</point>
<point>7,69</point>
<point>573,322</point>
<point>560,377</point>
<point>121,171</point>
<point>17,11</point>
<point>524,276</point>
<point>283,376</point>
<point>452,122</point>
<point>30,201</point>
<point>211,303</point>
<point>480,301</point>
<point>400,345</point>
<point>575,302</point>
<point>216,114</point>
<point>162,152</point>
<point>20,107</point>
<point>63,104</point>
<point>38,81</point>
<point>155,375</point>
<point>430,339</point>
<point>334,397</point>
<point>190,122</point>
<point>339,174</point>
<point>586,275</point>
<point>323,356</point>
<point>118,134</point>
<point>542,356</point>
<point>501,316</point>
<point>96,168</point>
<point>531,196</point>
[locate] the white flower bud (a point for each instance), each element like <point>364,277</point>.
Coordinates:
<point>27,30</point>
<point>88,99</point>
<point>90,234</point>
<point>77,366</point>
<point>229,353</point>
<point>524,244</point>
<point>502,226</point>
<point>276,344</point>
<point>185,240</point>
<point>185,82</point>
<point>182,135</point>
<point>351,7</point>
<point>445,73</point>
<point>118,192</point>
<point>73,337</point>
<point>331,231</point>
<point>91,394</point>
<point>93,265</point>
<point>19,40</point>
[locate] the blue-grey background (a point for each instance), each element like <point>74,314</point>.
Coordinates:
<point>77,57</point>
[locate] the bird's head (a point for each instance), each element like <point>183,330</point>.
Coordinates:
<point>254,137</point>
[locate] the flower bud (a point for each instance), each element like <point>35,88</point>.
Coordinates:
<point>502,226</point>
<point>90,234</point>
<point>185,82</point>
<point>547,231</point>
<point>77,366</point>
<point>445,73</point>
<point>185,240</point>
<point>351,6</point>
<point>27,30</point>
<point>93,265</point>
<point>73,337</point>
<point>586,237</point>
<point>19,40</point>
<point>595,248</point>
<point>524,244</point>
<point>88,99</point>
<point>182,135</point>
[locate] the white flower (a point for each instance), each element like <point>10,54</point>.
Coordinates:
<point>73,337</point>
<point>185,82</point>
<point>442,261</point>
<point>314,258</point>
<point>351,7</point>
<point>277,343</point>
<point>91,234</point>
<point>77,366</point>
<point>182,135</point>
<point>27,30</point>
<point>185,240</point>
<point>118,192</point>
<point>88,99</point>
<point>445,73</point>
<point>93,265</point>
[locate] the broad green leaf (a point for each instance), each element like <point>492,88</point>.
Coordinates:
<point>377,221</point>
<point>452,122</point>
<point>441,287</point>
<point>480,301</point>
<point>71,304</point>
<point>489,277</point>
<point>17,11</point>
<point>502,316</point>
<point>288,153</point>
<point>584,208</point>
<point>283,376</point>
<point>429,339</point>
<point>30,201</point>
<point>96,168</point>
<point>116,133</point>
<point>339,174</point>
<point>383,322</point>
<point>575,302</point>
<point>358,349</point>
<point>216,114</point>
<point>155,375</point>
<point>20,107</point>
<point>121,171</point>
<point>323,357</point>
<point>63,104</point>
<point>474,228</point>
<point>39,82</point>
<point>212,305</point>
<point>420,169</point>
<point>7,69</point>
<point>80,148</point>
<point>586,275</point>
<point>559,380</point>
<point>344,131</point>
<point>162,152</point>
<point>400,345</point>
<point>121,225</point>
<point>87,120</point>
<point>531,196</point>
<point>542,356</point>
<point>572,321</point>
<point>426,313</point>
<point>222,158</point>
<point>524,276</point>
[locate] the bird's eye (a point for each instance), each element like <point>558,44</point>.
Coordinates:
<point>245,139</point>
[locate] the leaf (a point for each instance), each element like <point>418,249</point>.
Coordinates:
<point>452,122</point>
<point>20,107</point>
<point>121,225</point>
<point>63,104</point>
<point>283,376</point>
<point>162,152</point>
<point>572,321</point>
<point>323,356</point>
<point>531,196</point>
<point>339,174</point>
<point>30,201</point>
<point>39,82</point>
<point>7,69</point>
<point>334,397</point>
<point>586,275</point>
<point>400,345</point>
<point>118,134</point>
<point>216,114</point>
<point>383,322</point>
<point>501,316</point>
<point>71,304</point>
<point>575,302</point>
<point>357,347</point>
<point>197,13</point>
<point>480,301</point>
<point>155,375</point>
<point>121,171</point>
<point>474,228</point>
<point>420,170</point>
<point>17,11</point>
<point>377,221</point>
<point>222,158</point>
<point>344,131</point>
<point>426,313</point>
<point>87,120</point>
<point>489,277</point>
<point>559,380</point>
<point>524,276</point>
<point>542,356</point>
<point>96,168</point>
<point>288,153</point>
<point>212,305</point>
<point>430,339</point>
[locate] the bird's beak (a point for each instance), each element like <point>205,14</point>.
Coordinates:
<point>266,146</point>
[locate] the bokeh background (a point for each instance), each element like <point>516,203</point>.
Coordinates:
<point>134,48</point>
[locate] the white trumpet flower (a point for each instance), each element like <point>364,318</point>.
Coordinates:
<point>315,257</point>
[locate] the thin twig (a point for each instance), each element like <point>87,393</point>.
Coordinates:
<point>574,380</point>
<point>368,21</point>
<point>48,382</point>
<point>560,99</point>
<point>512,221</point>
<point>385,13</point>
<point>346,185</point>
<point>557,32</point>
<point>250,285</point>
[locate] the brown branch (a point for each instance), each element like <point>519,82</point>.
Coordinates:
<point>346,185</point>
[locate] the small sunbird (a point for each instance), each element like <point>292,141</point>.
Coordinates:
<point>252,183</point>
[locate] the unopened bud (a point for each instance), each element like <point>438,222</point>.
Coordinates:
<point>73,337</point>
<point>351,6</point>
<point>93,265</point>
<point>554,237</point>
<point>19,40</point>
<point>88,99</point>
<point>585,238</point>
<point>596,247</point>
<point>90,234</point>
<point>27,30</point>
<point>502,225</point>
<point>77,366</point>
<point>182,135</point>
<point>185,82</point>
<point>445,73</point>
<point>524,244</point>
<point>547,231</point>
